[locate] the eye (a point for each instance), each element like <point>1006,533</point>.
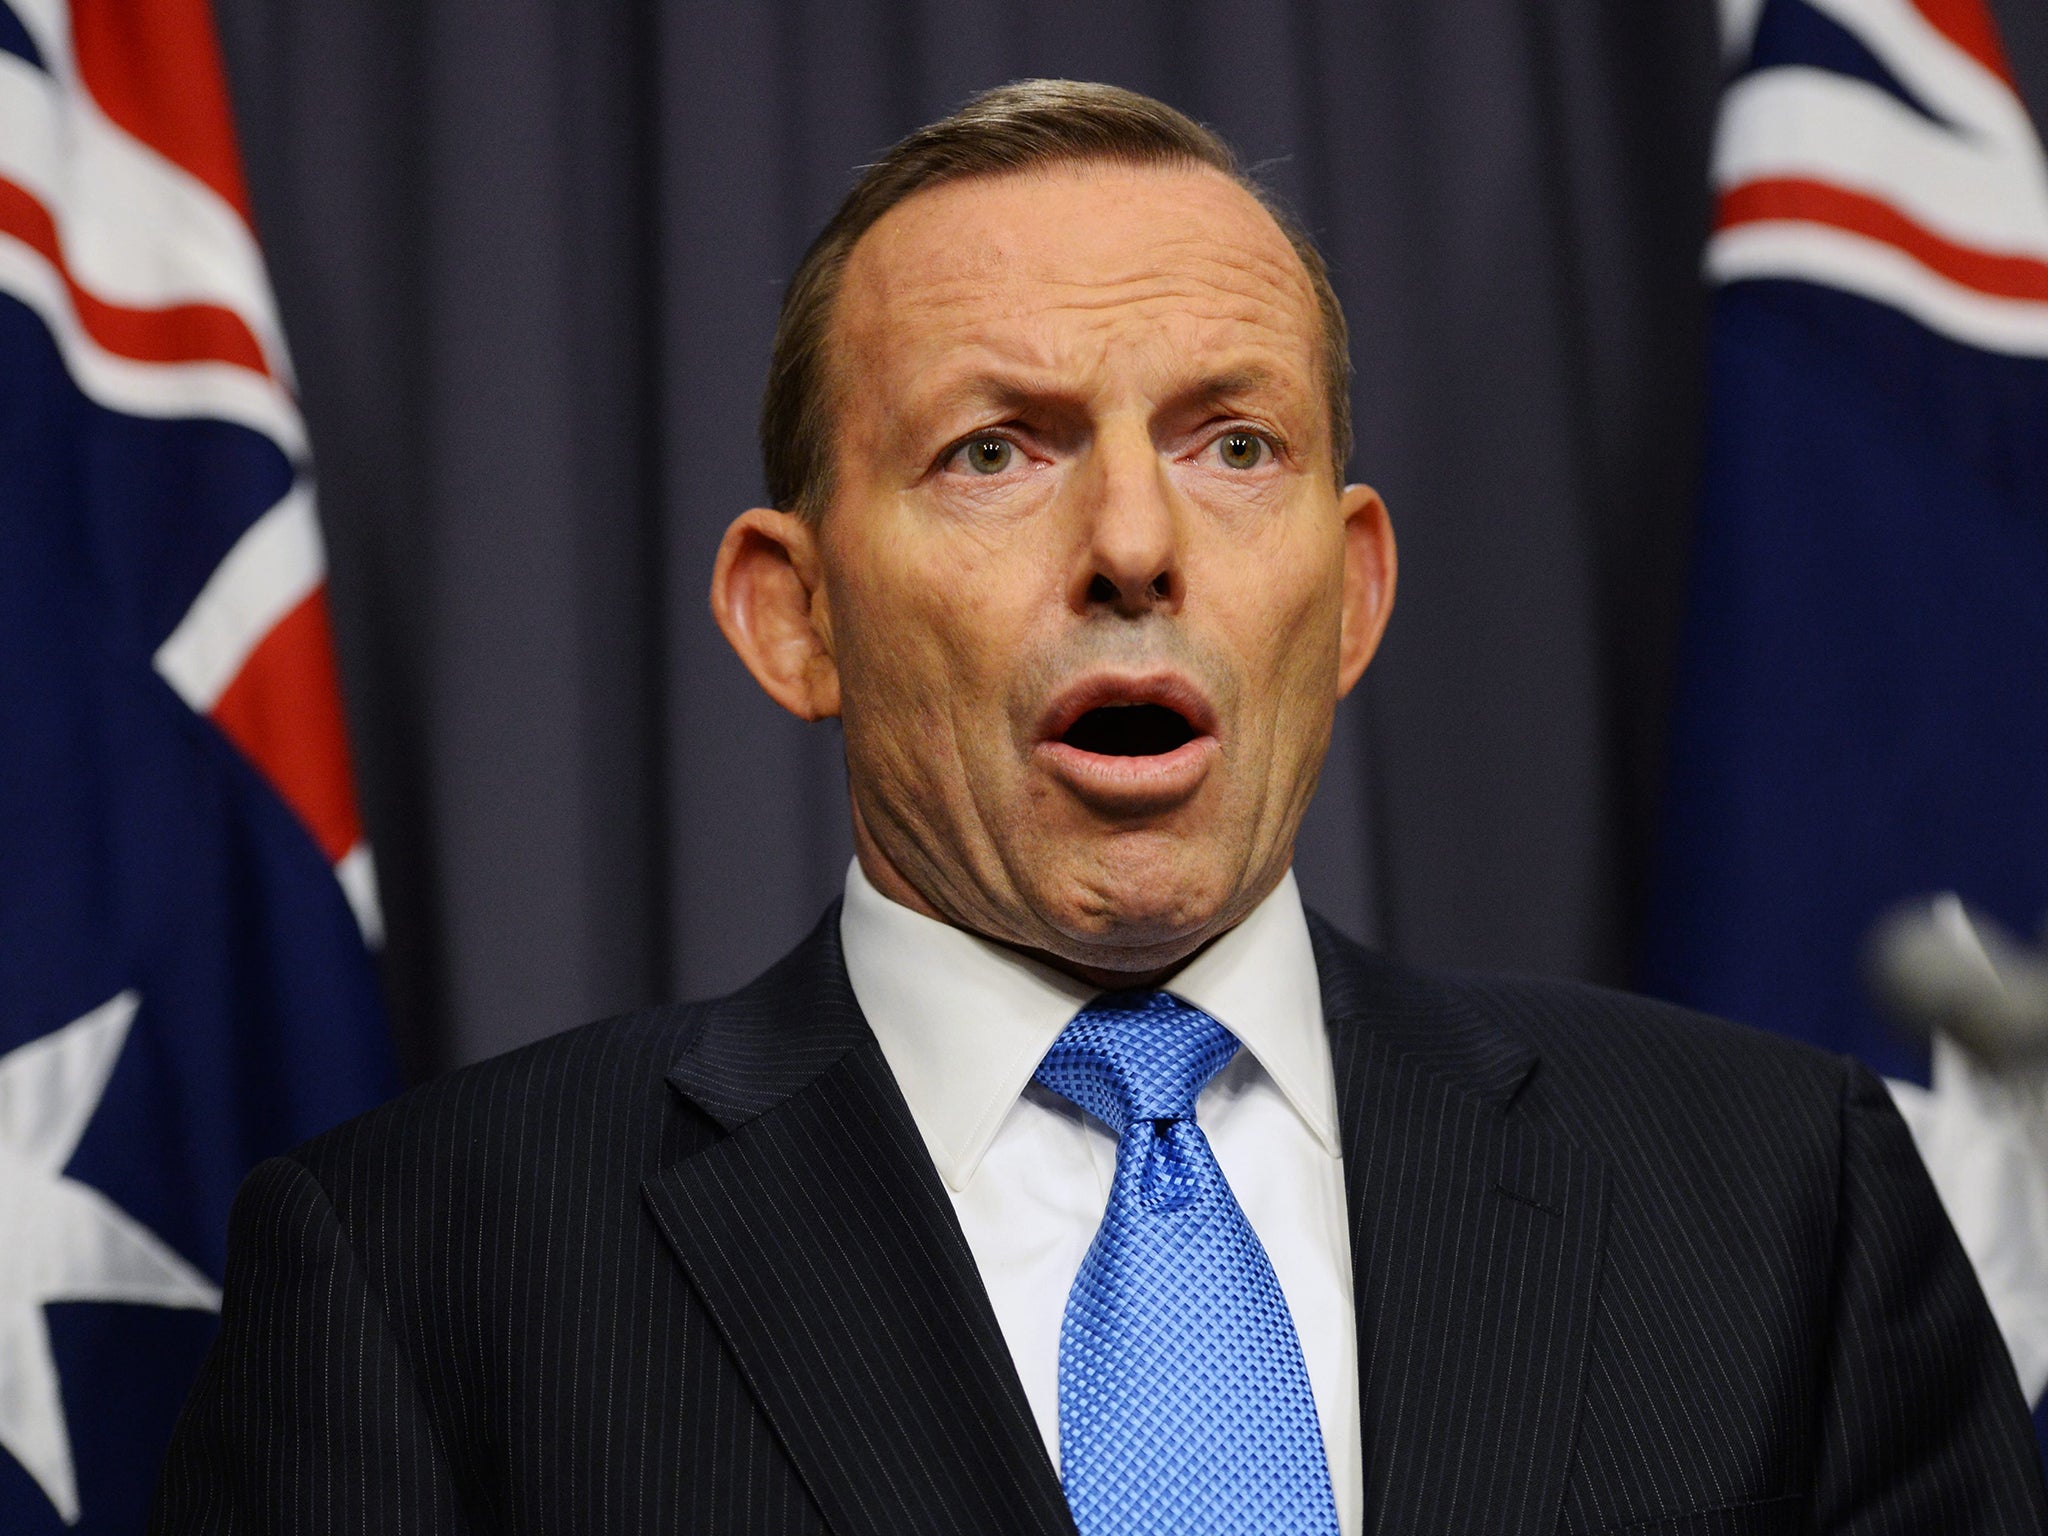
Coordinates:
<point>1242,450</point>
<point>987,455</point>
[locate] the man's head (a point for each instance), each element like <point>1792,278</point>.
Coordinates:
<point>1056,432</point>
<point>1026,126</point>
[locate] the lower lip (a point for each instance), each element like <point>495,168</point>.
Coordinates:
<point>1132,783</point>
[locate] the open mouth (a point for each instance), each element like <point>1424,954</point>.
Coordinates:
<point>1130,745</point>
<point>1130,730</point>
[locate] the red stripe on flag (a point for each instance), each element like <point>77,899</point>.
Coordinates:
<point>178,333</point>
<point>1816,202</point>
<point>155,70</point>
<point>284,711</point>
<point>1968,24</point>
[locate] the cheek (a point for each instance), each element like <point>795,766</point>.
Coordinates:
<point>929,634</point>
<point>1290,604</point>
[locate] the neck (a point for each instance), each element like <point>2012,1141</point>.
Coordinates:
<point>1147,972</point>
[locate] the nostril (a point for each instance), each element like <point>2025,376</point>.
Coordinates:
<point>1101,589</point>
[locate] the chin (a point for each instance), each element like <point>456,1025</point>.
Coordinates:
<point>1150,904</point>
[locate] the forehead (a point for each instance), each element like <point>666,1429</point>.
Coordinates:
<point>1085,270</point>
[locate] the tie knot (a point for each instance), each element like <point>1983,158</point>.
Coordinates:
<point>1136,1056</point>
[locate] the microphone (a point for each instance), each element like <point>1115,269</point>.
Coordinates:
<point>1938,967</point>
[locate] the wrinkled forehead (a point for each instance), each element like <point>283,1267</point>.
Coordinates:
<point>1095,275</point>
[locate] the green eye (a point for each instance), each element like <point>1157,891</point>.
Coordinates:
<point>1241,450</point>
<point>989,455</point>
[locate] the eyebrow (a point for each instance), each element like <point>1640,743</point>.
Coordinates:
<point>1231,384</point>
<point>995,392</point>
<point>998,392</point>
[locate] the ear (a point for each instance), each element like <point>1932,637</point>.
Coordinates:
<point>767,598</point>
<point>1368,581</point>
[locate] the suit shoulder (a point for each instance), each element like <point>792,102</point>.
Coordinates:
<point>1574,1024</point>
<point>1606,1067</point>
<point>1669,1095</point>
<point>609,1072</point>
<point>1751,1127</point>
<point>1594,1027</point>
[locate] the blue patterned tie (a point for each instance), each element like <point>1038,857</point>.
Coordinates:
<point>1184,1403</point>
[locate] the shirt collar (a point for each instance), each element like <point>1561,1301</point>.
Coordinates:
<point>964,1022</point>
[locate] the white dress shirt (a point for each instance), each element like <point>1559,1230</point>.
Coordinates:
<point>964,1023</point>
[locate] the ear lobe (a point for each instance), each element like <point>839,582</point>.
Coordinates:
<point>1369,567</point>
<point>767,599</point>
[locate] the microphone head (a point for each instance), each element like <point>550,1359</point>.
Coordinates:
<point>1934,965</point>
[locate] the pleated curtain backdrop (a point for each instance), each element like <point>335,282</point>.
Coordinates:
<point>529,254</point>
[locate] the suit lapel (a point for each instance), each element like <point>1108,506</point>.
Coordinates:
<point>1475,1237</point>
<point>828,1255</point>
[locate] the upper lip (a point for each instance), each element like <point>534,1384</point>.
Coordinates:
<point>1097,689</point>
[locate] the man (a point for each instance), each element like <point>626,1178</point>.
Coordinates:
<point>1069,1175</point>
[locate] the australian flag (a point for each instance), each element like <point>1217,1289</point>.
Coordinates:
<point>186,900</point>
<point>1862,712</point>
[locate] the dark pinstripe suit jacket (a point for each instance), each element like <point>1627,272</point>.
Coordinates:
<point>1618,1268</point>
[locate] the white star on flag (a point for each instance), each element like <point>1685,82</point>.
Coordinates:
<point>1983,1133</point>
<point>61,1240</point>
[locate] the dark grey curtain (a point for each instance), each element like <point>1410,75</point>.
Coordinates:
<point>529,252</point>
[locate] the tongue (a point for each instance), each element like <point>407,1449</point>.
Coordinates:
<point>1129,730</point>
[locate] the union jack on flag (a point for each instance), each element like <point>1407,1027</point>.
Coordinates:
<point>186,901</point>
<point>1862,712</point>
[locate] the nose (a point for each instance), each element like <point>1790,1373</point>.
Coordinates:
<point>1133,550</point>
